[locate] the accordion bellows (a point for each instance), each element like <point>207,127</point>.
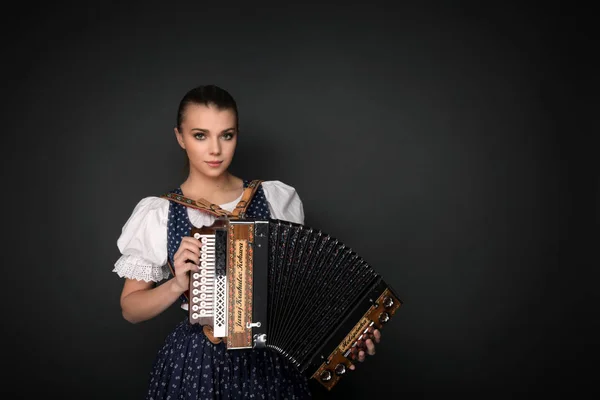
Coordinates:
<point>290,288</point>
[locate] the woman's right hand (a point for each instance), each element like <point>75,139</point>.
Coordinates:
<point>185,259</point>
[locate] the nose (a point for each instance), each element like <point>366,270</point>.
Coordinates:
<point>215,147</point>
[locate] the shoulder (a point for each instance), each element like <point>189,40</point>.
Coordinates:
<point>143,241</point>
<point>150,206</point>
<point>284,201</point>
<point>279,189</point>
<point>149,213</point>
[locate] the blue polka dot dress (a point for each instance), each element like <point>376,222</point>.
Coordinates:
<point>188,366</point>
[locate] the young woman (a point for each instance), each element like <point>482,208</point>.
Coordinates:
<point>189,365</point>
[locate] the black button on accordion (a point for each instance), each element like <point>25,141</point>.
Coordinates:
<point>290,288</point>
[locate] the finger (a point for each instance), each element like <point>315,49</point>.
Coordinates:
<point>377,335</point>
<point>370,347</point>
<point>352,367</point>
<point>184,256</point>
<point>184,267</point>
<point>361,356</point>
<point>192,245</point>
<point>182,276</point>
<point>191,240</point>
<point>190,254</point>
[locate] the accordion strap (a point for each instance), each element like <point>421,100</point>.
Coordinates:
<point>204,205</point>
<point>200,204</point>
<point>240,209</point>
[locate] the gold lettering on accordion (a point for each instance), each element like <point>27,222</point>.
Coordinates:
<point>239,273</point>
<point>354,334</point>
<point>239,283</point>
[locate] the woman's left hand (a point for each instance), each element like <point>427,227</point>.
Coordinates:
<point>368,349</point>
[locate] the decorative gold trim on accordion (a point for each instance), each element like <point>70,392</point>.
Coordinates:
<point>339,361</point>
<point>239,277</point>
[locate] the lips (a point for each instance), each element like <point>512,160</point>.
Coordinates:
<point>214,163</point>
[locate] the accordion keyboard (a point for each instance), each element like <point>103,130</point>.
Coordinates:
<point>202,282</point>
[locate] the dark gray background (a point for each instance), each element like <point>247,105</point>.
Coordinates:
<point>446,142</point>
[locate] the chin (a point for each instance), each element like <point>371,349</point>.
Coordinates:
<point>214,172</point>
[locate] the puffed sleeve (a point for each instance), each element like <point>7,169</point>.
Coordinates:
<point>143,242</point>
<point>284,201</point>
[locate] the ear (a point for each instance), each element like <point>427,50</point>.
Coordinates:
<point>179,137</point>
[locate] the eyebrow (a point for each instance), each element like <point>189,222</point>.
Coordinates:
<point>206,130</point>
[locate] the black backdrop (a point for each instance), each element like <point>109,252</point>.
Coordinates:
<point>446,143</point>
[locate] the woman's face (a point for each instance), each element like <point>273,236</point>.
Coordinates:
<point>209,137</point>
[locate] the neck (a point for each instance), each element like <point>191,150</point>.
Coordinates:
<point>199,185</point>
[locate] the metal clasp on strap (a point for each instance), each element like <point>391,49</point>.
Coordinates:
<point>252,325</point>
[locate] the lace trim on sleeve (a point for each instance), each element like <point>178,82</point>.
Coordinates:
<point>136,268</point>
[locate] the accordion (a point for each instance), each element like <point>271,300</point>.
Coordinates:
<point>290,288</point>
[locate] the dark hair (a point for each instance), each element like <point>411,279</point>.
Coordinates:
<point>208,95</point>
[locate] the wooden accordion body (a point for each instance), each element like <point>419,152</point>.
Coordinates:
<point>290,288</point>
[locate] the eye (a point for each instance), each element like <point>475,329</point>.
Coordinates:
<point>199,136</point>
<point>227,136</point>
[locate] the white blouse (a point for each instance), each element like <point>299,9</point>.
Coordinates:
<point>143,239</point>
